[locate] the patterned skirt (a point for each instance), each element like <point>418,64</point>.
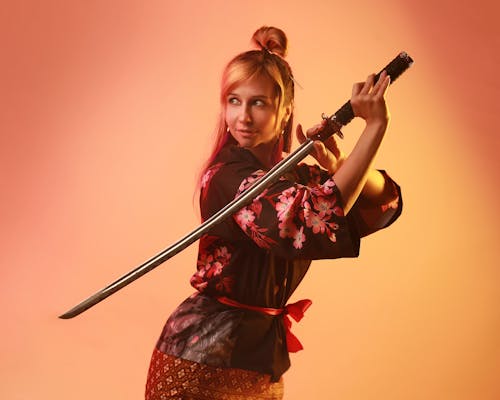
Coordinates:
<point>172,378</point>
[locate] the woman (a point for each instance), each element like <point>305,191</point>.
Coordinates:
<point>231,339</point>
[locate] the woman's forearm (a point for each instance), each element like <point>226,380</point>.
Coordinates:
<point>355,174</point>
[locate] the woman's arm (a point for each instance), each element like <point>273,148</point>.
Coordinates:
<point>354,173</point>
<point>378,189</point>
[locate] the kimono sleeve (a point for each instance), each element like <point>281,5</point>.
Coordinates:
<point>297,221</point>
<point>370,216</point>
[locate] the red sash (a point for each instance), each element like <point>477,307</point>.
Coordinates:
<point>295,310</point>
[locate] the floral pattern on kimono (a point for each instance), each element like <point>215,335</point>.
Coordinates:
<point>259,256</point>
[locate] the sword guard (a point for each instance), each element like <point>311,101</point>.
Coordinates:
<point>332,127</point>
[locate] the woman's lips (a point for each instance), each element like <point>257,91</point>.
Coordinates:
<point>245,132</point>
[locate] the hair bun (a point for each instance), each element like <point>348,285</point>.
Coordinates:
<point>272,39</point>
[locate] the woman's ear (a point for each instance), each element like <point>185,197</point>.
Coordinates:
<point>286,115</point>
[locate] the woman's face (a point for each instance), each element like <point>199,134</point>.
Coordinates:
<point>251,113</point>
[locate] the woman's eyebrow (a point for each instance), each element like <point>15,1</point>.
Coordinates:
<point>257,96</point>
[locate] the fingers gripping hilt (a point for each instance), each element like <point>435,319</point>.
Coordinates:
<point>345,114</point>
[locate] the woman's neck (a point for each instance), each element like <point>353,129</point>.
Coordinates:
<point>268,154</point>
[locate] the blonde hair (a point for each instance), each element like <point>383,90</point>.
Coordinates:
<point>269,61</point>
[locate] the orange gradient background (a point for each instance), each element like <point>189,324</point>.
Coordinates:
<point>106,114</point>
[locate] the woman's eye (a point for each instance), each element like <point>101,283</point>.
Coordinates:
<point>259,103</point>
<point>233,100</point>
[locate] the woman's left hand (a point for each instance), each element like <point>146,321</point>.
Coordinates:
<point>327,153</point>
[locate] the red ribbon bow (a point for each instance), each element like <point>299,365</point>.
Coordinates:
<point>296,311</point>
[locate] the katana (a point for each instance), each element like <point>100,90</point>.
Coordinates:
<point>332,126</point>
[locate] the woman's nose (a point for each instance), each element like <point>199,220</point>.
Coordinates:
<point>245,114</point>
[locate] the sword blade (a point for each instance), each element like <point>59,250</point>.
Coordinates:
<point>245,198</point>
<point>343,116</point>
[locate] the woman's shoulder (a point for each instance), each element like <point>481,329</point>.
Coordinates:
<point>232,161</point>
<point>234,154</point>
<point>226,173</point>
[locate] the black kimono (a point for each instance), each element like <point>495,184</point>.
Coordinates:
<point>258,258</point>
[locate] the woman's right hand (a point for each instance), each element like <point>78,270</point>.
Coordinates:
<point>368,100</point>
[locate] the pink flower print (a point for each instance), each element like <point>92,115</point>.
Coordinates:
<point>247,182</point>
<point>393,204</point>
<point>299,238</point>
<point>281,207</point>
<point>212,260</point>
<point>304,193</point>
<point>323,206</point>
<point>198,283</point>
<point>215,270</point>
<point>260,239</point>
<point>244,218</point>
<point>332,236</point>
<point>256,207</point>
<point>222,254</point>
<point>315,222</point>
<point>287,229</point>
<point>218,267</point>
<point>286,194</point>
<point>207,176</point>
<point>204,261</point>
<point>285,203</point>
<point>339,211</point>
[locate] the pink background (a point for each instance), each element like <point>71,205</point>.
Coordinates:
<point>106,114</point>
